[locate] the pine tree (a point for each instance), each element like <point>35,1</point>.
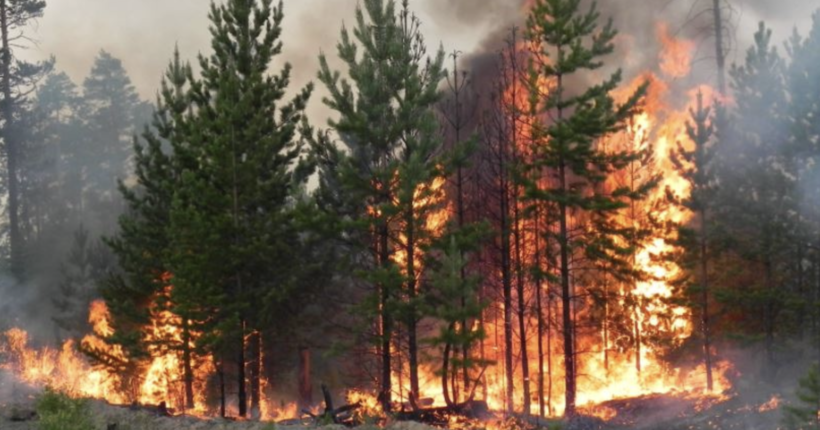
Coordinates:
<point>388,125</point>
<point>141,242</point>
<point>758,208</point>
<point>113,113</point>
<point>803,85</point>
<point>16,78</point>
<point>805,415</point>
<point>571,42</point>
<point>695,166</point>
<point>231,219</point>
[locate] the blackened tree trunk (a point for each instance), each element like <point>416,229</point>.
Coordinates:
<point>305,385</point>
<point>704,281</point>
<point>720,54</point>
<point>187,357</point>
<point>255,363</point>
<point>386,394</point>
<point>412,318</point>
<point>240,374</point>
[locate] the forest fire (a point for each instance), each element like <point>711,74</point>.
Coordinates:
<point>611,364</point>
<point>559,255</point>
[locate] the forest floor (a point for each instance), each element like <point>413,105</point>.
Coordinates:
<point>751,406</point>
<point>646,413</point>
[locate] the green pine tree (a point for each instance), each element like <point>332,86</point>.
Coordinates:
<point>141,243</point>
<point>113,113</point>
<point>695,166</point>
<point>572,42</point>
<point>16,77</point>
<point>806,414</point>
<point>388,175</point>
<point>231,223</point>
<point>757,212</point>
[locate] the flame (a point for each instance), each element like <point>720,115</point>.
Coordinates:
<point>161,379</point>
<point>676,55</point>
<point>771,405</point>
<point>608,370</point>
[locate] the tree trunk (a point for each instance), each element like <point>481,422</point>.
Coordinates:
<point>412,319</point>
<point>506,275</point>
<point>522,330</point>
<point>222,399</point>
<point>240,366</point>
<point>256,373</point>
<point>387,323</point>
<point>445,364</point>
<point>719,54</point>
<point>305,386</point>
<point>188,373</point>
<point>11,147</point>
<point>566,306</point>
<point>704,281</point>
<point>540,315</point>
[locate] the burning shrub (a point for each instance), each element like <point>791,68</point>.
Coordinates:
<point>58,411</point>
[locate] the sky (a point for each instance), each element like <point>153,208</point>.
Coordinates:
<point>143,33</point>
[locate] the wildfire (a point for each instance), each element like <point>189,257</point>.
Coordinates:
<point>607,368</point>
<point>160,381</point>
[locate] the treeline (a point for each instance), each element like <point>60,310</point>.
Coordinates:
<point>434,210</point>
<point>64,146</point>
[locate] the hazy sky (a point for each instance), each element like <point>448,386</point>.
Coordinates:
<point>143,32</point>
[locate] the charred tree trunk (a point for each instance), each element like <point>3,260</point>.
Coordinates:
<point>240,366</point>
<point>704,281</point>
<point>10,146</point>
<point>540,315</point>
<point>445,364</point>
<point>769,320</point>
<point>413,351</point>
<point>187,368</point>
<point>522,330</point>
<point>719,53</point>
<point>507,280</point>
<point>222,399</point>
<point>256,373</point>
<point>387,323</point>
<point>305,386</point>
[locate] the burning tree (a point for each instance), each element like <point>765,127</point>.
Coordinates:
<point>210,245</point>
<point>393,169</point>
<point>567,147</point>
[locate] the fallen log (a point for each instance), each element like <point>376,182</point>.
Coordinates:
<point>343,415</point>
<point>472,409</point>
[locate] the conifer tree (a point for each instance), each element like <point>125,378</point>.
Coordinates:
<point>113,113</point>
<point>571,42</point>
<point>388,125</point>
<point>758,209</point>
<point>141,243</point>
<point>16,78</point>
<point>695,166</point>
<point>232,213</point>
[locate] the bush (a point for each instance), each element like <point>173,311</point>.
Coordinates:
<point>58,411</point>
<point>805,414</point>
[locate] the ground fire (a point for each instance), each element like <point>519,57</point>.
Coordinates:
<point>572,224</point>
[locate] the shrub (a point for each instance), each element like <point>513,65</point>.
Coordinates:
<point>58,411</point>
